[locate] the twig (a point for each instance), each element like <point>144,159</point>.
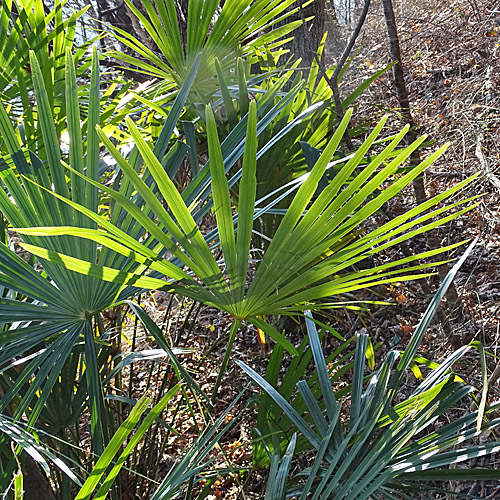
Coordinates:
<point>490,176</point>
<point>494,376</point>
<point>333,80</point>
<point>352,41</point>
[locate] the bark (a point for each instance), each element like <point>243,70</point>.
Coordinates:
<point>36,484</point>
<point>116,13</point>
<point>307,37</point>
<point>182,16</point>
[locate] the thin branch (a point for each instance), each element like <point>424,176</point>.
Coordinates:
<point>352,40</point>
<point>333,80</point>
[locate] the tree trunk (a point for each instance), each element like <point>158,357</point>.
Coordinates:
<point>182,16</point>
<point>404,104</point>
<point>401,91</point>
<point>117,14</point>
<point>307,37</point>
<point>36,484</point>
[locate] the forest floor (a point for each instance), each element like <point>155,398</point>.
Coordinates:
<point>452,70</point>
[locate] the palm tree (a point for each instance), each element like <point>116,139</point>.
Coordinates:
<point>311,254</point>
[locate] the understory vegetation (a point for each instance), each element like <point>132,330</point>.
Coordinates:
<point>222,273</point>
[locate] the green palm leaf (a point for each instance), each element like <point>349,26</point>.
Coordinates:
<point>61,309</point>
<point>313,246</point>
<point>113,448</point>
<point>385,446</point>
<point>221,35</point>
